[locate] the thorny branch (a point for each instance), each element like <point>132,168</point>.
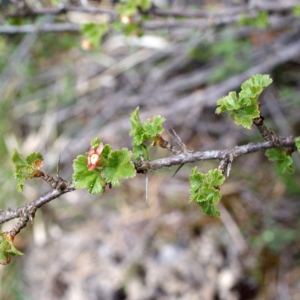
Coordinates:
<point>26,213</point>
<point>183,158</point>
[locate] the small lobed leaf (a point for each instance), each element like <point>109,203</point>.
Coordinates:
<point>80,164</point>
<point>137,129</point>
<point>33,157</point>
<point>7,249</point>
<point>153,127</point>
<point>259,80</point>
<point>285,165</point>
<point>245,107</point>
<point>25,168</point>
<point>204,190</point>
<point>85,179</point>
<point>283,161</point>
<point>21,181</point>
<point>18,159</point>
<point>245,115</point>
<point>119,166</point>
<point>140,150</point>
<point>105,155</point>
<point>144,133</point>
<point>210,208</point>
<point>229,102</point>
<point>274,154</point>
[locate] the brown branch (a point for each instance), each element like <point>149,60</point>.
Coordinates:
<point>166,145</point>
<point>267,134</point>
<point>148,166</point>
<point>27,212</point>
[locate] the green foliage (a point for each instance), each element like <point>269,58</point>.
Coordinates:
<point>94,32</point>
<point>95,142</point>
<point>85,179</point>
<point>119,166</point>
<point>114,165</point>
<point>7,249</point>
<point>130,7</point>
<point>25,168</point>
<point>245,107</point>
<point>283,160</point>
<point>144,133</point>
<point>276,238</point>
<point>205,190</point>
<point>296,11</point>
<point>127,10</point>
<point>260,21</point>
<point>297,142</point>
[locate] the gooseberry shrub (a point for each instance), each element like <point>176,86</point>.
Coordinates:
<point>102,167</point>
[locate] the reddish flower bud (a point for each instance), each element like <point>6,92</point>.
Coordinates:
<point>94,157</point>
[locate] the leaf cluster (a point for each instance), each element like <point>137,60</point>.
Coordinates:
<point>244,107</point>
<point>283,159</point>
<point>144,133</point>
<point>26,168</point>
<point>205,190</point>
<point>114,165</point>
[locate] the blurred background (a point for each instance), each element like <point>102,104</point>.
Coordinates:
<point>58,91</point>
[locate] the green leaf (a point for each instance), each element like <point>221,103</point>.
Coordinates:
<point>283,161</point>
<point>153,127</point>
<point>253,87</point>
<point>105,155</point>
<point>244,107</point>
<point>137,129</point>
<point>33,157</point>
<point>85,179</point>
<point>94,32</point>
<point>95,142</point>
<point>119,166</point>
<point>140,150</point>
<point>296,10</point>
<point>25,168</point>
<point>229,102</point>
<point>285,165</point>
<point>274,154</point>
<point>204,190</point>
<point>7,249</point>
<point>245,115</point>
<point>144,133</point>
<point>18,159</point>
<point>297,142</point>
